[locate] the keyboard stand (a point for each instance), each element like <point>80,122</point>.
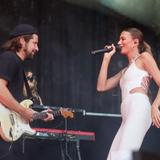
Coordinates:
<point>66,144</point>
<point>66,140</point>
<point>78,150</point>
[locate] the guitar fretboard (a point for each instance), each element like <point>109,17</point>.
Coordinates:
<point>42,115</point>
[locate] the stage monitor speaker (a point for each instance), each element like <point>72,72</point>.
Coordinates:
<point>145,156</point>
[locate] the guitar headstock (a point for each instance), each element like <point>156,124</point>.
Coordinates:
<point>66,113</point>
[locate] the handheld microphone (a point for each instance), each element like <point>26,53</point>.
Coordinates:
<point>105,50</point>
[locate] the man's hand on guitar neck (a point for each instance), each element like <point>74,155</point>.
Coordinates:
<point>50,115</point>
<point>29,114</point>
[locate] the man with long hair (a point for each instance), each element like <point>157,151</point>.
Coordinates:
<point>22,44</point>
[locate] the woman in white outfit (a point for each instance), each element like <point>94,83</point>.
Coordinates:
<point>134,82</point>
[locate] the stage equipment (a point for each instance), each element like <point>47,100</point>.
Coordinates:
<point>67,135</point>
<point>62,135</point>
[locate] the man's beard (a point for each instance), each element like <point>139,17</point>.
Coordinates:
<point>29,55</point>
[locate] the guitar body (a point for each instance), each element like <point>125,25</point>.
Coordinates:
<point>13,125</point>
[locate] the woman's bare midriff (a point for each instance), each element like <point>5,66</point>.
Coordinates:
<point>138,90</point>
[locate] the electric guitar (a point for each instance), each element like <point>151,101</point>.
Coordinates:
<point>13,125</point>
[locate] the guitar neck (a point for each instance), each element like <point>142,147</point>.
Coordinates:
<point>42,115</point>
<point>37,106</point>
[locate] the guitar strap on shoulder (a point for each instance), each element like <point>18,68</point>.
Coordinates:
<point>28,90</point>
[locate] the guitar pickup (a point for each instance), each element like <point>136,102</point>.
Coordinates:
<point>12,119</point>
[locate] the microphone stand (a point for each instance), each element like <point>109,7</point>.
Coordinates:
<point>101,114</point>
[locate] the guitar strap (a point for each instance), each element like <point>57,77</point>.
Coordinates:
<point>28,90</point>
